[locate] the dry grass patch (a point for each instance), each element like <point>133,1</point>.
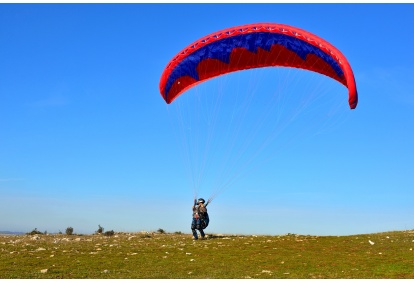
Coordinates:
<point>163,255</point>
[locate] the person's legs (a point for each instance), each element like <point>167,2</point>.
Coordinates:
<point>193,228</point>
<point>200,227</point>
<point>201,233</point>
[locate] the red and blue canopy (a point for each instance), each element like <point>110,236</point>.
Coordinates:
<point>255,46</point>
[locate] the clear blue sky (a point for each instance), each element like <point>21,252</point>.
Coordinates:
<point>86,139</point>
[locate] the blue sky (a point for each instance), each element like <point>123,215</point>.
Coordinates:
<point>86,138</point>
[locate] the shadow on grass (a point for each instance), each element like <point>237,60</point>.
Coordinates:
<point>212,236</point>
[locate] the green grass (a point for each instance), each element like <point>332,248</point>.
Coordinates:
<point>163,256</point>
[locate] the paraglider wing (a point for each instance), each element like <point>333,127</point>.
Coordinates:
<point>255,46</point>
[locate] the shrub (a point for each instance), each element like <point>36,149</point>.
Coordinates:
<point>100,229</point>
<point>69,231</point>
<point>161,231</point>
<point>109,233</point>
<point>34,232</point>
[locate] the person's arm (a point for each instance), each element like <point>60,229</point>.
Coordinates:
<point>202,208</point>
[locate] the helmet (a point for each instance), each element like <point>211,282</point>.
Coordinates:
<point>201,200</point>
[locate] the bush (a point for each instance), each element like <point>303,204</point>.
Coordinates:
<point>109,233</point>
<point>69,231</point>
<point>34,232</point>
<point>161,231</point>
<point>100,230</point>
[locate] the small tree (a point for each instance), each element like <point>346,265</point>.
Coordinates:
<point>100,229</point>
<point>161,231</point>
<point>69,231</point>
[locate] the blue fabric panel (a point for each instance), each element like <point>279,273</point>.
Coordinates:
<point>221,50</point>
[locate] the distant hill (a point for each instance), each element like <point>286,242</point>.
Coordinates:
<point>11,233</point>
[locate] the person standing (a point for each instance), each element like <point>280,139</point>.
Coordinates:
<point>200,218</point>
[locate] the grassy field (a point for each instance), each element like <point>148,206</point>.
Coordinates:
<point>154,255</point>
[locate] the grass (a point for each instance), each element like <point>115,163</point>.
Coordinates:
<point>165,255</point>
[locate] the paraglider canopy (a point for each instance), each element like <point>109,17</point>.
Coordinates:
<point>255,46</point>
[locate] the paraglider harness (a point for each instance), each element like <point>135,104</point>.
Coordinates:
<point>202,218</point>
